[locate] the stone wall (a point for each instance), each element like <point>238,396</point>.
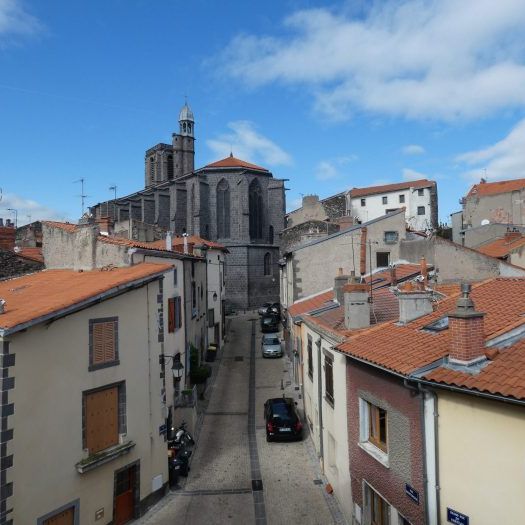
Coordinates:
<point>314,209</point>
<point>13,266</point>
<point>506,208</point>
<point>292,237</point>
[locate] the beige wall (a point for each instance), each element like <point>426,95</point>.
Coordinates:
<point>215,285</point>
<point>481,459</point>
<point>51,373</point>
<point>506,208</point>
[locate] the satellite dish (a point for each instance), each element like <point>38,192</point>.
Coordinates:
<point>484,222</point>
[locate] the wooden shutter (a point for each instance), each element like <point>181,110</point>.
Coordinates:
<point>66,517</point>
<point>104,342</point>
<point>171,315</point>
<point>101,419</point>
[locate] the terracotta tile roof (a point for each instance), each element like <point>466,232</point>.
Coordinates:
<point>504,375</point>
<point>404,349</point>
<point>232,162</point>
<point>403,272</point>
<point>373,190</point>
<point>48,292</point>
<point>493,188</point>
<point>33,254</point>
<point>501,247</point>
<point>311,303</point>
<point>66,226</point>
<point>178,242</point>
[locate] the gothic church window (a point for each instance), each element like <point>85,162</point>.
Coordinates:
<point>256,210</point>
<point>170,167</point>
<point>267,264</point>
<point>270,236</point>
<point>223,209</point>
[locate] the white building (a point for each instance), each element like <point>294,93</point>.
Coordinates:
<point>418,197</point>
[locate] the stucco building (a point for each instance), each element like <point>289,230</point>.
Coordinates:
<point>239,204</point>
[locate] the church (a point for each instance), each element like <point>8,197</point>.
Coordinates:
<point>231,201</point>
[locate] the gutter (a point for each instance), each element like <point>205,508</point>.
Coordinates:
<point>77,307</point>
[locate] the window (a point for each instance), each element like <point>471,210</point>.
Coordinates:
<point>391,237</point>
<point>170,167</point>
<point>377,432</point>
<point>103,343</point>
<point>421,210</point>
<point>310,359</point>
<point>401,199</point>
<point>363,202</point>
<point>103,417</point>
<point>255,201</point>
<point>421,192</point>
<point>66,515</point>
<point>385,200</point>
<point>223,209</point>
<point>329,379</point>
<point>174,314</point>
<point>382,259</point>
<point>174,276</point>
<point>211,318</point>
<point>193,299</point>
<point>402,520</point>
<point>376,507</point>
<point>193,269</point>
<point>267,264</point>
<point>270,235</point>
<point>437,326</point>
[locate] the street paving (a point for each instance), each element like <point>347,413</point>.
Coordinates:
<point>231,450</point>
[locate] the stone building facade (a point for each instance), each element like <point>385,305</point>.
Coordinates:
<point>231,201</point>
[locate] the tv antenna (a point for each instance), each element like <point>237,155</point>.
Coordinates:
<point>82,194</point>
<point>113,188</point>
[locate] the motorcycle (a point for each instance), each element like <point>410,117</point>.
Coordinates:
<point>182,437</point>
<point>178,465</point>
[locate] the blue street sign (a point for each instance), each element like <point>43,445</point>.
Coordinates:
<point>453,516</point>
<point>412,493</point>
<point>162,429</point>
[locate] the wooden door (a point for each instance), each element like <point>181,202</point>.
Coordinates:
<point>66,517</point>
<point>125,496</point>
<point>216,334</point>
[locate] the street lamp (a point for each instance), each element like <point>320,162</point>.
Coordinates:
<point>176,366</point>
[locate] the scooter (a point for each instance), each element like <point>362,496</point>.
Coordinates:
<point>182,437</point>
<point>178,465</point>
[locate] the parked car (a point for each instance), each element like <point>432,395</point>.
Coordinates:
<point>263,310</point>
<point>270,309</point>
<point>269,323</point>
<point>282,420</point>
<point>271,345</point>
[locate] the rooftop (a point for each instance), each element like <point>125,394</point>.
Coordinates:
<point>373,190</point>
<point>493,188</point>
<point>232,162</point>
<point>502,246</point>
<point>45,294</point>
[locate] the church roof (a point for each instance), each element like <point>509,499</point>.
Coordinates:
<point>186,113</point>
<point>232,162</point>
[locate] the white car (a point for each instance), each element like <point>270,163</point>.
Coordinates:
<point>271,345</point>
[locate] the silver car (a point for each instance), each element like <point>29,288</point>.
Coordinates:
<point>271,345</point>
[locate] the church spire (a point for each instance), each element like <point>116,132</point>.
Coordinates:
<point>186,121</point>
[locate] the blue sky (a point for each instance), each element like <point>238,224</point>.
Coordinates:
<point>328,95</point>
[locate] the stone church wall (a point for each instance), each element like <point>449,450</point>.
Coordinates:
<point>236,278</point>
<point>262,288</point>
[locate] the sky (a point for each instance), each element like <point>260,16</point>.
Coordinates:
<point>328,95</point>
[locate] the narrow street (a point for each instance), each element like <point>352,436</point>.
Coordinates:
<point>236,476</point>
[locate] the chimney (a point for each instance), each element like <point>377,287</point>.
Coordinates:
<point>169,242</point>
<point>357,305</point>
<point>7,236</point>
<point>424,269</point>
<point>185,237</point>
<point>512,235</point>
<point>466,330</point>
<point>2,306</point>
<point>363,251</point>
<point>393,275</point>
<point>105,225</point>
<point>414,301</point>
<point>339,282</point>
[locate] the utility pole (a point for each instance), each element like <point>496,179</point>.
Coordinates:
<point>114,189</point>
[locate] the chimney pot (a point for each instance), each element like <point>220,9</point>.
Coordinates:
<point>414,302</point>
<point>357,305</point>
<point>339,283</point>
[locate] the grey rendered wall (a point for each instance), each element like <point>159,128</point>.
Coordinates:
<point>504,208</point>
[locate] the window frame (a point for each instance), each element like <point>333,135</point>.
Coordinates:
<point>363,202</point>
<point>75,505</point>
<point>211,317</point>
<point>384,199</point>
<point>105,363</point>
<point>370,496</point>
<point>329,379</point>
<point>377,260</point>
<point>310,358</point>
<point>421,192</point>
<point>419,208</point>
<point>365,425</point>
<point>267,264</point>
<point>374,427</point>
<point>401,198</point>
<point>393,240</point>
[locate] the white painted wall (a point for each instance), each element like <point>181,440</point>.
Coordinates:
<point>374,207</point>
<point>215,286</point>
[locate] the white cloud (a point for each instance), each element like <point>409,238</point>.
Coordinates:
<point>439,59</point>
<point>14,20</point>
<point>325,170</point>
<point>409,174</point>
<point>503,160</point>
<point>26,208</point>
<point>248,144</point>
<point>413,149</point>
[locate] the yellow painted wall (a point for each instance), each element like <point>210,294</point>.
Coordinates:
<point>481,459</point>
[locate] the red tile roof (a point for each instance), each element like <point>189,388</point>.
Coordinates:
<point>66,226</point>
<point>501,247</point>
<point>493,188</point>
<point>33,254</point>
<point>48,292</point>
<point>178,242</point>
<point>373,190</point>
<point>406,348</point>
<point>504,375</point>
<point>232,162</point>
<point>311,303</point>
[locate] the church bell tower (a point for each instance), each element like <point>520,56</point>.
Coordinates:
<point>184,143</point>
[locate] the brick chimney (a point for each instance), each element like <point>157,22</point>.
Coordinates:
<point>414,301</point>
<point>424,269</point>
<point>105,225</point>
<point>357,304</point>
<point>393,275</point>
<point>7,236</point>
<point>466,330</point>
<point>362,267</point>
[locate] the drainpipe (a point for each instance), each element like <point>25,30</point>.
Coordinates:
<point>429,426</point>
<point>320,401</point>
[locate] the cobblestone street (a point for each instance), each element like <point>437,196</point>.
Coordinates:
<point>231,452</point>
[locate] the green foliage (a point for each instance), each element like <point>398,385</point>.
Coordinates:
<point>199,374</point>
